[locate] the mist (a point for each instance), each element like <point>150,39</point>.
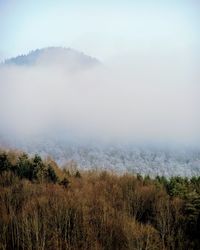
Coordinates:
<point>147,96</point>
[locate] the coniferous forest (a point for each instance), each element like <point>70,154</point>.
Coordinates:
<point>45,207</point>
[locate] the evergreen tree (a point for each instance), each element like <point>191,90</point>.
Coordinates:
<point>51,175</point>
<point>39,169</point>
<point>24,167</point>
<point>4,162</point>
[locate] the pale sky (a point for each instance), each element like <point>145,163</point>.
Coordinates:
<point>103,29</point>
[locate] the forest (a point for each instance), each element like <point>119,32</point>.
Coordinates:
<point>43,206</point>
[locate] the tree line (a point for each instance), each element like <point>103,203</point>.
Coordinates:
<point>45,207</point>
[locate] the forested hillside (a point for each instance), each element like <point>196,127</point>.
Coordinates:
<point>44,207</point>
<point>144,159</point>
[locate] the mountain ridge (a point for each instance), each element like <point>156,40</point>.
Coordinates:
<point>52,55</point>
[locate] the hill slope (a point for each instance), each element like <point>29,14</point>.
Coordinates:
<point>54,56</point>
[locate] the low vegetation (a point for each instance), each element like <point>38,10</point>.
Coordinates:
<point>44,207</point>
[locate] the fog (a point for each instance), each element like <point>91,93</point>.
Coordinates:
<point>151,96</point>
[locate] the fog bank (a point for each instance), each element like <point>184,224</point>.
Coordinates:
<point>141,97</point>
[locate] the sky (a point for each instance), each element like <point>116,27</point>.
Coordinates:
<point>103,29</point>
<point>148,90</point>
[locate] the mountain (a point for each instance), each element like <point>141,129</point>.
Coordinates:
<point>63,57</point>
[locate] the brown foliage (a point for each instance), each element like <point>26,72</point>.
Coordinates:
<point>98,210</point>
